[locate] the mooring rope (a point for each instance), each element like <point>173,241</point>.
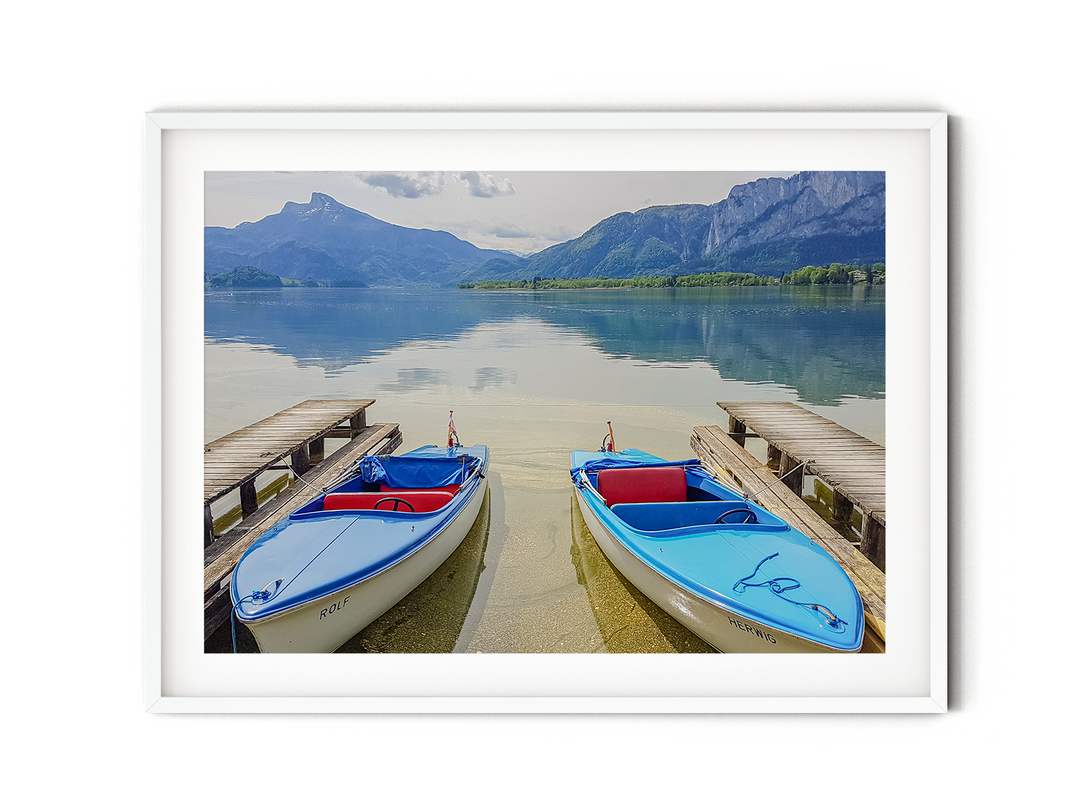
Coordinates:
<point>265,593</point>
<point>300,478</point>
<point>774,585</point>
<point>253,595</point>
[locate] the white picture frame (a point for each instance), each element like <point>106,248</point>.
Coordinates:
<point>990,611</point>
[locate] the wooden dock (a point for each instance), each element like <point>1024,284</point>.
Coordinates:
<point>723,453</point>
<point>851,465</point>
<point>236,460</point>
<point>299,433</point>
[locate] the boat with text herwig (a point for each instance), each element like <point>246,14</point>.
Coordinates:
<point>730,571</point>
<point>333,566</point>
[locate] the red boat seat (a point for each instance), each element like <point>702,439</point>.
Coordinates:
<point>642,485</point>
<point>421,500</point>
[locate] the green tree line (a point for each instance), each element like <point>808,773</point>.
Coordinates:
<point>837,274</point>
<point>252,278</point>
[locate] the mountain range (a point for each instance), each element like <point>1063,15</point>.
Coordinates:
<point>771,226</point>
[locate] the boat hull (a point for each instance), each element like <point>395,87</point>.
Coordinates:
<point>713,617</point>
<point>323,625</point>
<point>342,560</point>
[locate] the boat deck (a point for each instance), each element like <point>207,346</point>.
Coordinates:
<point>239,458</point>
<point>851,465</point>
<point>720,451</point>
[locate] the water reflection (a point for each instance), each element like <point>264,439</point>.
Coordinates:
<point>629,621</point>
<point>430,619</point>
<point>417,379</point>
<point>825,343</point>
<point>489,377</point>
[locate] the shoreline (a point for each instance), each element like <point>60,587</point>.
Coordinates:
<point>647,287</point>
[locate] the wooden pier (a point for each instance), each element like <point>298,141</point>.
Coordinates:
<point>851,465</point>
<point>299,432</point>
<point>723,453</point>
<point>236,460</point>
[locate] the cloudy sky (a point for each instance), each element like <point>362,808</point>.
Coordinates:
<point>518,211</point>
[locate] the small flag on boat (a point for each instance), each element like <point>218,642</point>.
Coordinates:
<point>608,444</point>
<point>451,434</point>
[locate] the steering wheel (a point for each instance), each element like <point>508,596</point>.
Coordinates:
<point>750,519</point>
<point>395,501</point>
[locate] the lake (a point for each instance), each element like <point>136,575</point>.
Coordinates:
<point>535,375</point>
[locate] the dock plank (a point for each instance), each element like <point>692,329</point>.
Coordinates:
<point>239,457</point>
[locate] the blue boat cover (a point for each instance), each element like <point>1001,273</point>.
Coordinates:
<point>417,472</point>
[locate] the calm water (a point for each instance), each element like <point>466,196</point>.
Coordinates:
<point>535,376</point>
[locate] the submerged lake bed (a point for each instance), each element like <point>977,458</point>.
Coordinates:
<point>536,375</point>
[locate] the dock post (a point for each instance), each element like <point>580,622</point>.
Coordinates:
<point>873,541</point>
<point>737,431</point>
<point>841,509</point>
<point>249,498</point>
<point>301,460</point>
<point>789,467</point>
<point>358,422</point>
<point>774,457</point>
<point>316,450</point>
<point>208,526</point>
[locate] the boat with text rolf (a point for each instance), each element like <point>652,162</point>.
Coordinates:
<point>333,566</point>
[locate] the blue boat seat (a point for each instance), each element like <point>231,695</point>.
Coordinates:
<point>642,484</point>
<point>652,517</point>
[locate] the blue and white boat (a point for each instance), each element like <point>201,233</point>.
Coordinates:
<point>731,572</point>
<point>323,574</point>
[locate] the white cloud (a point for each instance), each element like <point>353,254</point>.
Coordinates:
<point>428,184</point>
<point>405,184</point>
<point>484,185</point>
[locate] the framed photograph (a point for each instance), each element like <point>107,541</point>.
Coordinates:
<point>191,157</point>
